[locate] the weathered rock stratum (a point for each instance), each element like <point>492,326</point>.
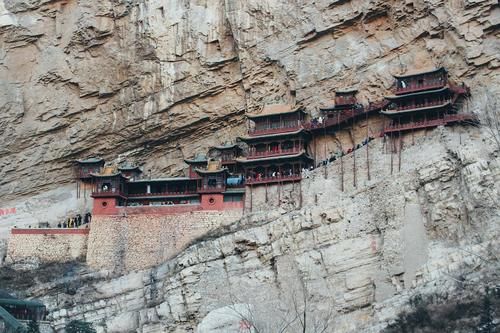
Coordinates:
<point>155,81</point>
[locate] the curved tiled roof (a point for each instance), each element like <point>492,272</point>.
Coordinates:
<point>274,109</point>
<point>90,160</point>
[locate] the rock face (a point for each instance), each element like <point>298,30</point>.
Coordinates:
<point>350,260</point>
<point>155,81</point>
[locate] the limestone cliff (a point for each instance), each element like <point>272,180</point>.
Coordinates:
<point>155,81</point>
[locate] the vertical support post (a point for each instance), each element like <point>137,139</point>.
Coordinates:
<point>392,152</point>
<point>266,193</point>
<point>300,193</point>
<point>367,148</point>
<point>315,153</point>
<point>400,148</point>
<point>354,166</point>
<point>342,170</point>
<point>251,197</point>
<point>279,193</point>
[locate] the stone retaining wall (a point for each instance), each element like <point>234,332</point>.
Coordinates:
<point>141,241</point>
<point>47,245</point>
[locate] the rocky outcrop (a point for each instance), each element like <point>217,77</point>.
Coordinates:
<point>156,81</point>
<point>353,260</point>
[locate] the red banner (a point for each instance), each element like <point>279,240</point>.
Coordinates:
<point>7,211</point>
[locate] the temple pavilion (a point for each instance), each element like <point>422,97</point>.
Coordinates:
<point>423,100</point>
<point>198,162</point>
<point>227,154</point>
<point>85,167</point>
<point>277,144</point>
<point>344,109</point>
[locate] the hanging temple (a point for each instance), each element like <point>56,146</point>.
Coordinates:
<point>274,151</point>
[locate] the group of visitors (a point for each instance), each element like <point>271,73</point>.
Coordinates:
<point>271,174</point>
<point>76,221</point>
<point>334,156</point>
<point>316,122</point>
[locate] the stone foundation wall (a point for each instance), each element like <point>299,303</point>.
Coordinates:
<point>47,245</point>
<point>141,241</point>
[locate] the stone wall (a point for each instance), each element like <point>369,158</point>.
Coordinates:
<point>140,241</point>
<point>47,245</point>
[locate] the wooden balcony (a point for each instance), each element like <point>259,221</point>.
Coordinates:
<point>108,193</point>
<point>282,128</point>
<point>212,189</point>
<point>280,152</point>
<point>273,180</point>
<point>447,119</point>
<point>414,86</point>
<point>163,194</point>
<point>418,106</point>
<point>460,89</point>
<point>338,118</point>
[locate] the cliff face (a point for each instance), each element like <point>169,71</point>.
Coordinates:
<point>155,81</point>
<point>421,241</point>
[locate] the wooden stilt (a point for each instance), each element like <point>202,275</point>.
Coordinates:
<point>244,200</point>
<point>279,194</point>
<point>392,153</point>
<point>325,155</point>
<point>342,171</point>
<point>367,147</point>
<point>400,148</point>
<point>300,193</point>
<point>266,193</point>
<point>354,166</point>
<point>251,198</point>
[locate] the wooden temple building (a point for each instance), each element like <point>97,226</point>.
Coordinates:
<point>277,143</point>
<point>343,110</point>
<point>274,151</point>
<point>424,100</point>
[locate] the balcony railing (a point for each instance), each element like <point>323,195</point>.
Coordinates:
<point>420,105</point>
<point>163,194</point>
<point>270,180</point>
<point>108,193</point>
<point>447,119</point>
<point>466,117</point>
<point>459,89</point>
<point>415,86</point>
<point>338,118</point>
<point>279,152</point>
<point>414,125</point>
<point>212,189</point>
<point>280,128</point>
